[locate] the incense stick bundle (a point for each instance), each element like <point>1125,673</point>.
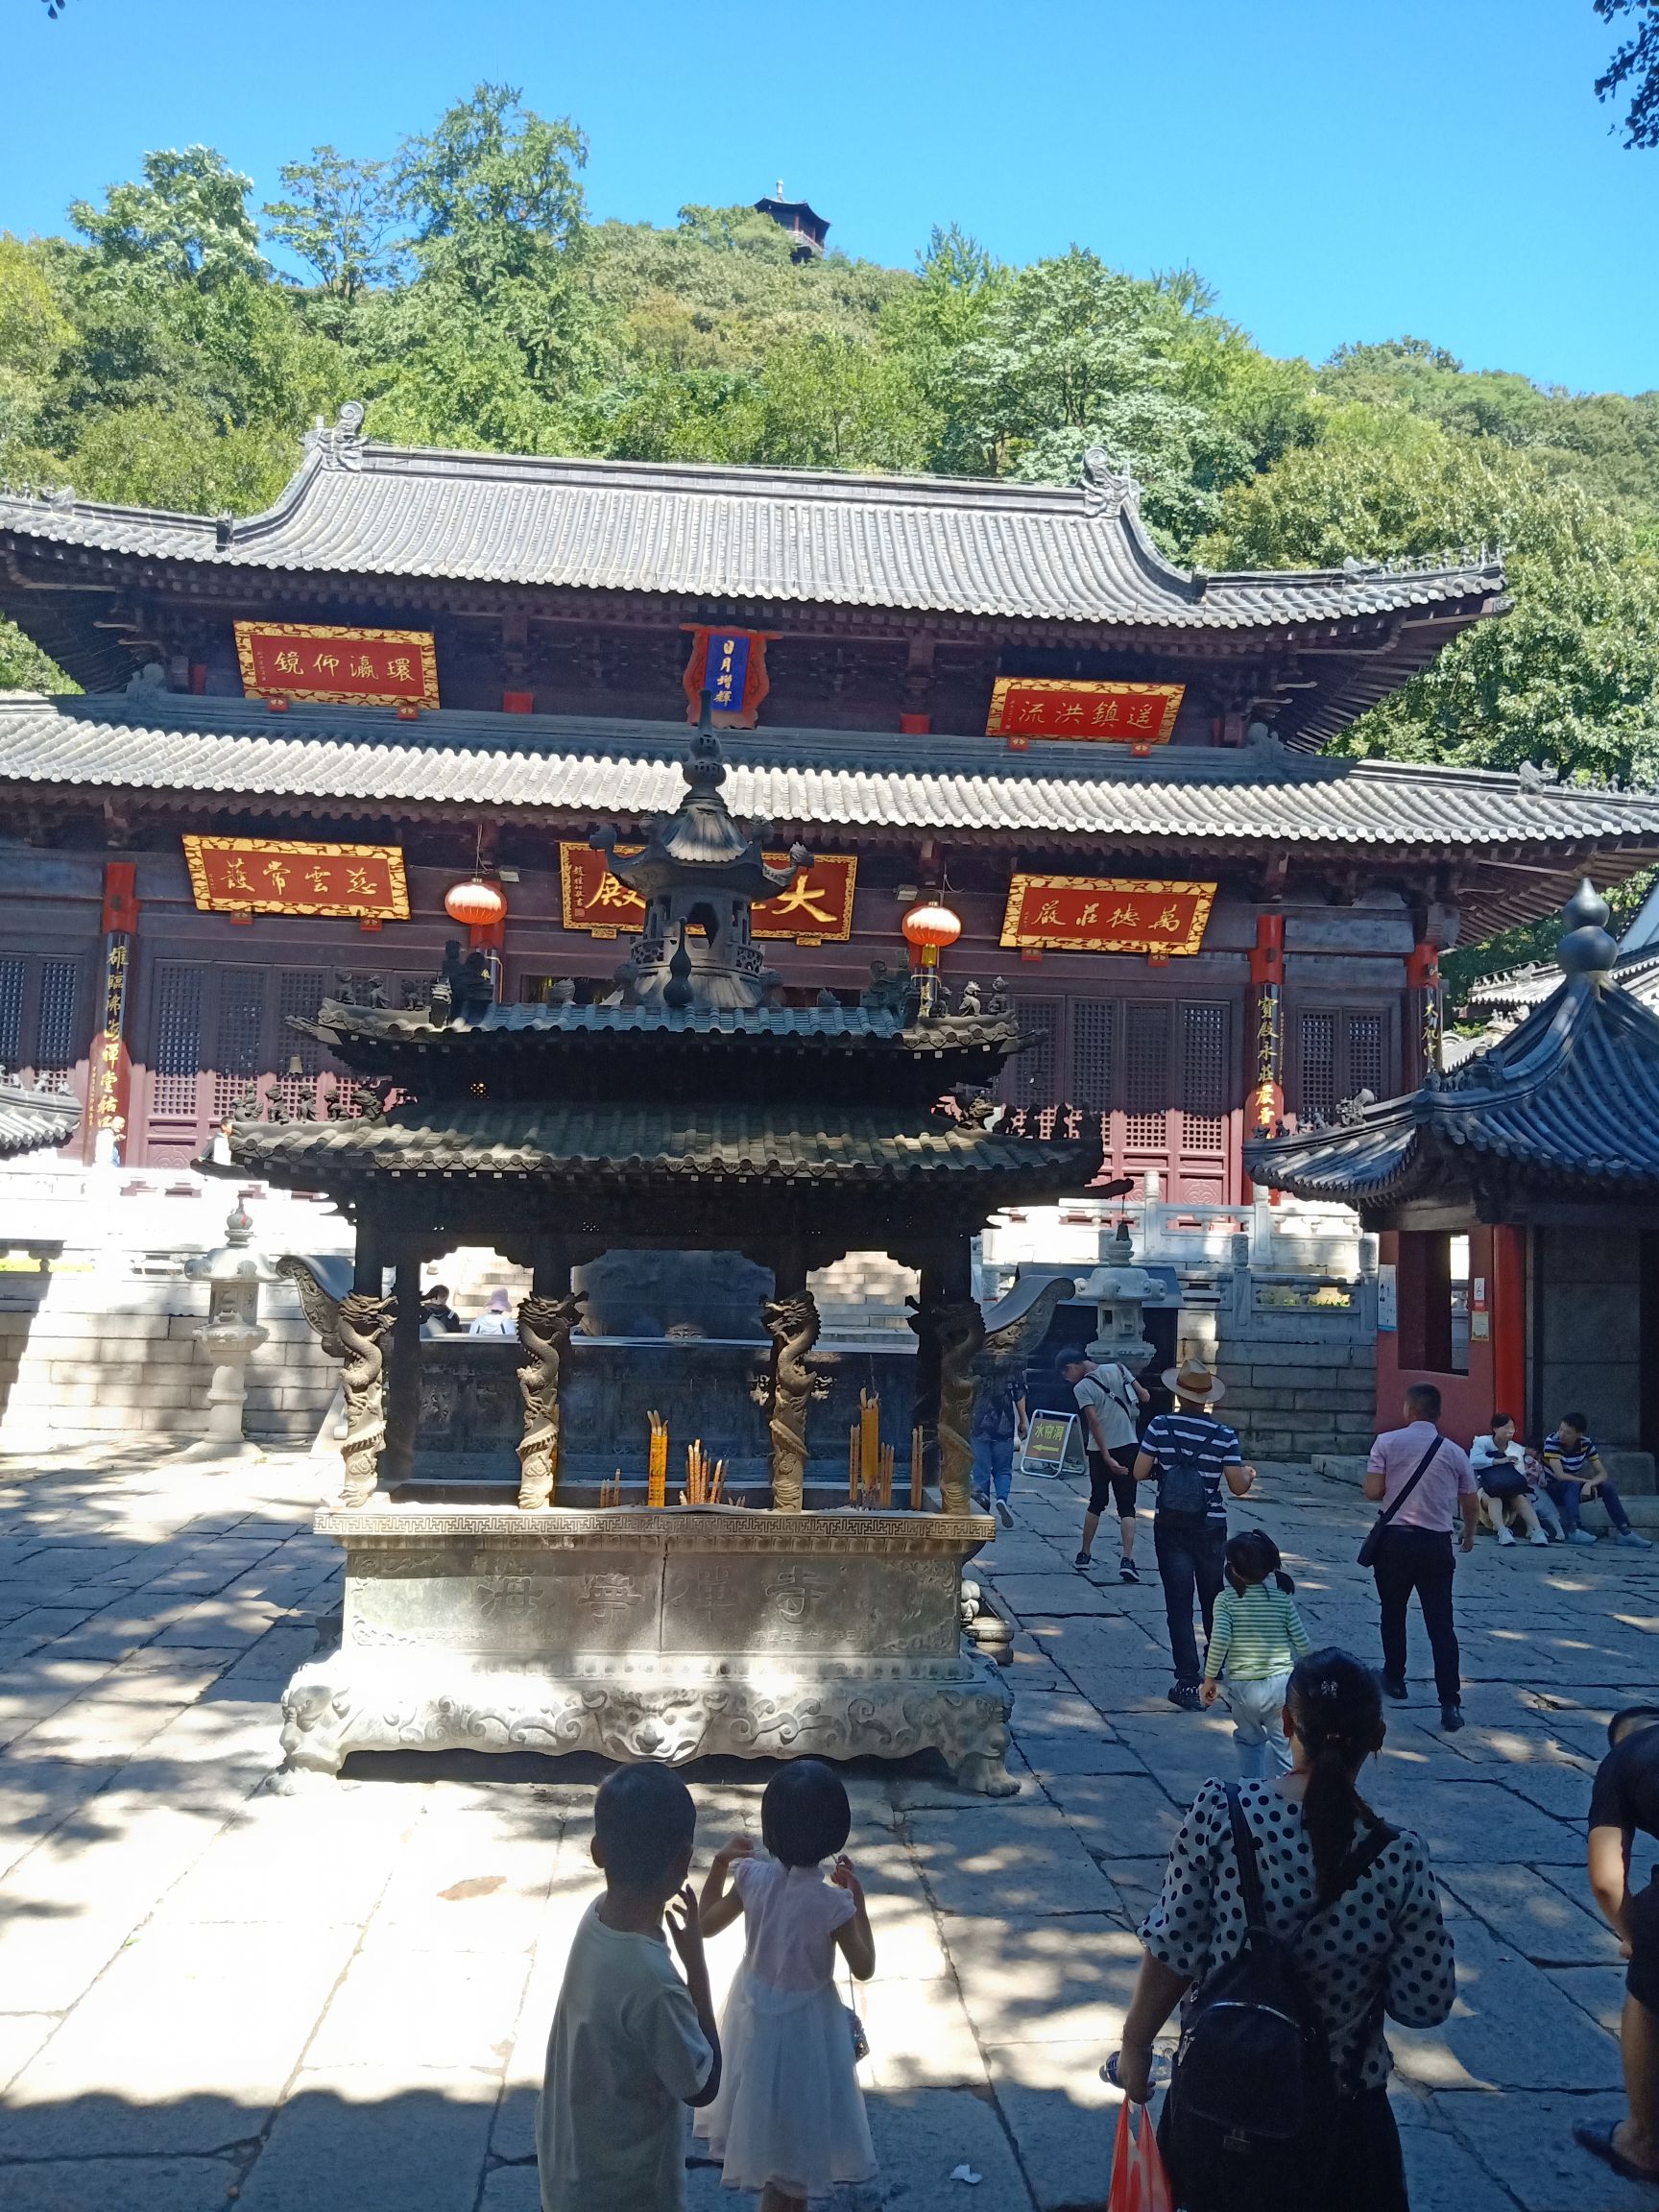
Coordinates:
<point>704,1478</point>
<point>657,1477</point>
<point>916,1475</point>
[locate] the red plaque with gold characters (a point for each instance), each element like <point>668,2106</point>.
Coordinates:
<point>816,909</point>
<point>1027,707</point>
<point>263,875</point>
<point>344,667</point>
<point>1105,914</point>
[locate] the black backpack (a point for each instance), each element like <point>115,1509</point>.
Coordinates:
<point>1181,1485</point>
<point>1249,2124</point>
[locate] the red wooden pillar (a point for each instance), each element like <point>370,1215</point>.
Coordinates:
<point>1506,1297</point>
<point>1423,1023</point>
<point>1267,1107</point>
<point>109,1076</point>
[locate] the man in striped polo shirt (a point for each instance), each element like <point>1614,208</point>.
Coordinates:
<point>1190,1456</point>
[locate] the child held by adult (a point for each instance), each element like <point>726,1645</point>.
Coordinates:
<point>789,2119</point>
<point>632,2044</point>
<point>1257,1635</point>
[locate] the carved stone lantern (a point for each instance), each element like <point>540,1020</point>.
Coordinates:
<point>1118,1289</point>
<point>232,1335</point>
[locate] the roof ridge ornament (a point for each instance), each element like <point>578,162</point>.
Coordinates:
<point>338,445</point>
<point>1587,950</point>
<point>1108,492</point>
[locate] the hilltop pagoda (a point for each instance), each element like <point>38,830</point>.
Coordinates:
<point>687,1112</point>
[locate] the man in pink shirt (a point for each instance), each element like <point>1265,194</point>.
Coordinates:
<point>1423,1482</point>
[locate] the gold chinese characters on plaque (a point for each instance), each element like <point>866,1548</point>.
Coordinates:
<point>338,668</point>
<point>1086,711</point>
<point>816,909</point>
<point>1105,914</point>
<point>265,875</point>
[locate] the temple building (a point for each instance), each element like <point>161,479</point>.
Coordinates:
<point>1541,1152</point>
<point>314,744</point>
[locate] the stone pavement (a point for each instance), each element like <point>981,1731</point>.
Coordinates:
<point>212,1994</point>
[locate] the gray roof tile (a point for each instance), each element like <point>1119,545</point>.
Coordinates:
<point>1193,799</point>
<point>923,544</point>
<point>668,1142</point>
<point>31,1119</point>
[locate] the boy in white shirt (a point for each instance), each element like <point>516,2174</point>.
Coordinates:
<point>633,2045</point>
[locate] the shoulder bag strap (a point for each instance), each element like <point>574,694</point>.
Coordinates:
<point>1416,1475</point>
<point>1359,1861</point>
<point>1249,1873</point>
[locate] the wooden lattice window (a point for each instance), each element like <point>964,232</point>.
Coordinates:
<point>11,976</point>
<point>1316,1094</point>
<point>1094,1032</point>
<point>1204,1077</point>
<point>1340,1051</point>
<point>1031,1077</point>
<point>54,1040</point>
<point>1145,1077</point>
<point>176,1054</point>
<point>1365,1049</point>
<point>238,1034</point>
<point>298,996</point>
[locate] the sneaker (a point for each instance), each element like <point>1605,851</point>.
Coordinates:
<point>1127,1571</point>
<point>1580,1536</point>
<point>1002,1513</point>
<point>1538,1537</point>
<point>1639,1543</point>
<point>1507,1537</point>
<point>1082,1561</point>
<point>1186,1696</point>
<point>1395,1689</point>
<point>1450,1720</point>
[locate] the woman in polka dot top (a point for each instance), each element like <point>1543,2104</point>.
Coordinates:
<point>1381,1947</point>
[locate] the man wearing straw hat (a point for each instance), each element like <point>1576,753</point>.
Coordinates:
<point>1190,1456</point>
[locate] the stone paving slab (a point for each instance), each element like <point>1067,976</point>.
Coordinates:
<point>357,1983</point>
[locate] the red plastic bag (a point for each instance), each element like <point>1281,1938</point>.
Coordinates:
<point>1140,2180</point>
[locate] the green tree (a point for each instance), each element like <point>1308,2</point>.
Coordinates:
<point>1069,355</point>
<point>1634,68</point>
<point>1568,678</point>
<point>493,192</point>
<point>340,219</point>
<point>186,223</point>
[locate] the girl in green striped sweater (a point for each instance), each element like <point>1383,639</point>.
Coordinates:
<point>1258,1636</point>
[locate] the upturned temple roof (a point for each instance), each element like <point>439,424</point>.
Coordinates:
<point>168,749</point>
<point>649,1142</point>
<point>521,1051</point>
<point>1075,554</point>
<point>32,1121</point>
<point>1568,1102</point>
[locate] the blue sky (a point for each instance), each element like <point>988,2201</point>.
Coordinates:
<point>1338,171</point>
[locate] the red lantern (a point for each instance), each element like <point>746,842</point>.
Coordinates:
<point>475,905</point>
<point>928,928</point>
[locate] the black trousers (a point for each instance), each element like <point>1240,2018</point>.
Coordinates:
<point>1191,1557</point>
<point>1420,1560</point>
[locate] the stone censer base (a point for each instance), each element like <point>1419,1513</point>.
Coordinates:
<point>672,1634</point>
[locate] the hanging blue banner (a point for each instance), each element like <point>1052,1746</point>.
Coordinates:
<point>727,669</point>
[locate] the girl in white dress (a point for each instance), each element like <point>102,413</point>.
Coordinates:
<point>789,2117</point>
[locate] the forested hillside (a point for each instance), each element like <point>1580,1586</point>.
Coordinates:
<point>464,292</point>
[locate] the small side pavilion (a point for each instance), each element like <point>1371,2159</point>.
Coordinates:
<point>1543,1152</point>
